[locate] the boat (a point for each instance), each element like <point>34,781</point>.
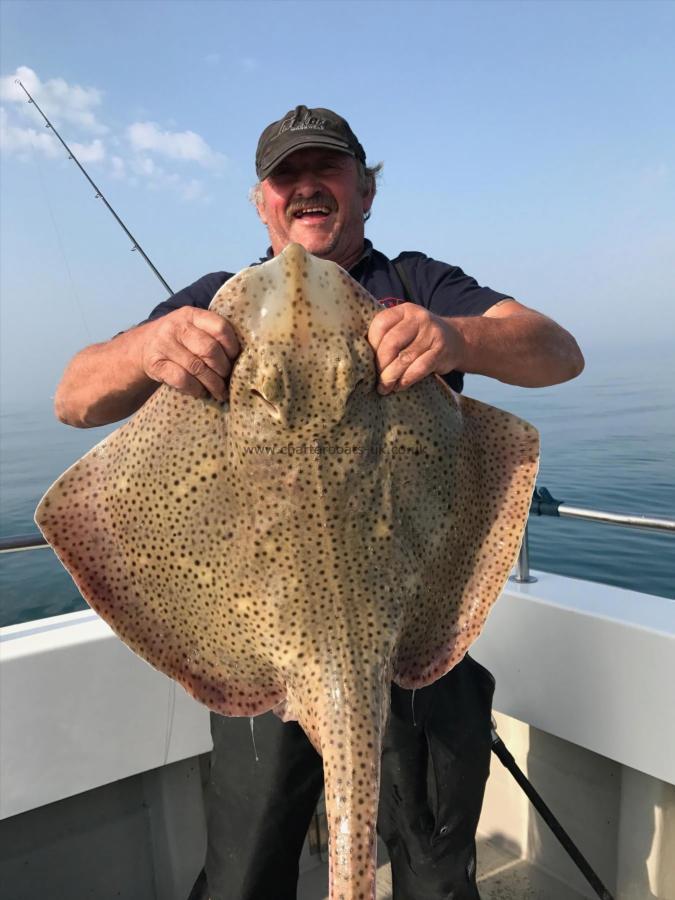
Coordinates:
<point>103,759</point>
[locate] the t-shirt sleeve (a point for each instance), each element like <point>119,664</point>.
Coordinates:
<point>446,290</point>
<point>200,294</point>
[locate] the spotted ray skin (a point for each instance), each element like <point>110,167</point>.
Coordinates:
<point>308,542</point>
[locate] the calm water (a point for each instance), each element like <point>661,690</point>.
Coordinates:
<point>608,441</point>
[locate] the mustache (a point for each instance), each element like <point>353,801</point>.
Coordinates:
<point>319,199</point>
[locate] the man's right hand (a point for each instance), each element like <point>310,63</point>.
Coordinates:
<point>192,350</point>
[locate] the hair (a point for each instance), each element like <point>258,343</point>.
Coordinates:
<point>368,177</point>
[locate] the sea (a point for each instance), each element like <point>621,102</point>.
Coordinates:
<point>608,443</point>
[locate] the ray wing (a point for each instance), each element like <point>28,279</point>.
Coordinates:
<point>145,523</point>
<point>463,497</point>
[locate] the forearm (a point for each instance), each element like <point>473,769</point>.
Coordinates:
<point>104,382</point>
<point>527,349</point>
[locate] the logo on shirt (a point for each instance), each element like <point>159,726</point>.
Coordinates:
<point>388,302</point>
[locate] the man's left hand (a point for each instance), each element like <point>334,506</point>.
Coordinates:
<point>410,343</point>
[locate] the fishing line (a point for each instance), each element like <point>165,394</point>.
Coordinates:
<point>255,750</point>
<point>64,255</point>
<point>171,712</point>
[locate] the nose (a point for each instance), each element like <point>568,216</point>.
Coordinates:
<point>307,184</point>
<point>270,408</point>
<point>269,392</point>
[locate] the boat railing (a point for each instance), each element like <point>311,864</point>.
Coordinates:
<point>16,542</point>
<point>543,504</point>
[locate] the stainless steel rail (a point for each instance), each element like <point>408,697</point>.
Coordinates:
<point>649,523</point>
<point>16,542</point>
<point>543,504</point>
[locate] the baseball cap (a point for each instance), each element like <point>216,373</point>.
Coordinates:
<point>304,127</point>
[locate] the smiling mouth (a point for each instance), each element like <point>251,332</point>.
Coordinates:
<point>312,213</point>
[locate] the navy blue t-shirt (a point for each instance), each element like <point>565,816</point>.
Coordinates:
<point>443,289</point>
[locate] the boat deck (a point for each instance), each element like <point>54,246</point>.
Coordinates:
<point>501,876</point>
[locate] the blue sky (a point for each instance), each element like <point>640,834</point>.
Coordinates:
<point>530,143</point>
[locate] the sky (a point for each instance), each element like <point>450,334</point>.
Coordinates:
<point>530,143</point>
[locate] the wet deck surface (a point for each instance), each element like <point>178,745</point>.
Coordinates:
<point>501,876</point>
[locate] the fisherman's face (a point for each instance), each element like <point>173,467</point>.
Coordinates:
<point>313,198</point>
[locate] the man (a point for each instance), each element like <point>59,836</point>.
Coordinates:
<point>315,189</point>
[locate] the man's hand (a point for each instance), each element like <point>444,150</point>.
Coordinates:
<point>410,343</point>
<point>509,341</point>
<point>192,350</point>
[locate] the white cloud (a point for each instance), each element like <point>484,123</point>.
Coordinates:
<point>60,101</point>
<point>89,153</point>
<point>17,141</point>
<point>119,169</point>
<point>157,178</point>
<point>193,189</point>
<point>147,137</point>
<point>143,154</point>
<point>143,165</point>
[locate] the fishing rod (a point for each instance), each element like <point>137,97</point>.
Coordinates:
<point>99,193</point>
<point>506,759</point>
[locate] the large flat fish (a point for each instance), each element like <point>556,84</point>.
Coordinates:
<point>304,544</point>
